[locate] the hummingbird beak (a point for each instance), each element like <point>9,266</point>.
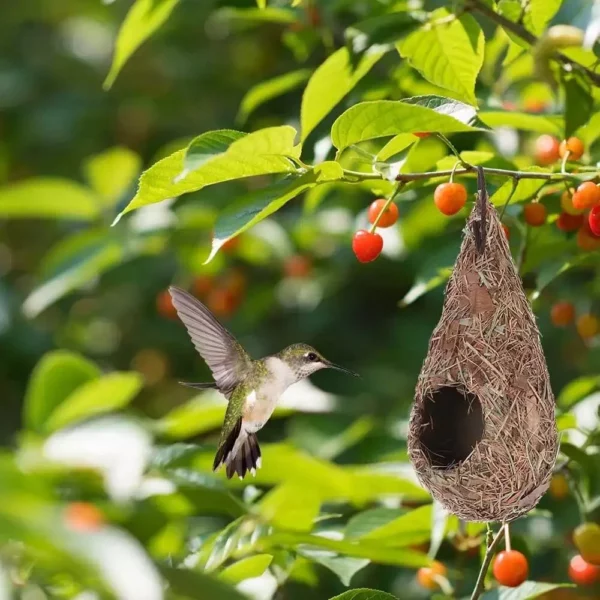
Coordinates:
<point>331,365</point>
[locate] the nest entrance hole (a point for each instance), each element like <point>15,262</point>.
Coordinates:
<point>452,425</point>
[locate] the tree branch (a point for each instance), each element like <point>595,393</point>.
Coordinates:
<point>405,177</point>
<point>489,554</point>
<point>527,36</point>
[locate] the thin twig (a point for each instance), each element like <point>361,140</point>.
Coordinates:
<point>454,151</point>
<point>527,36</point>
<point>405,177</point>
<point>489,554</point>
<point>513,189</point>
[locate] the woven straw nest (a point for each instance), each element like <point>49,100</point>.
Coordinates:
<point>482,434</point>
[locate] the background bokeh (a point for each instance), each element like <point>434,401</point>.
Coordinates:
<point>80,285</point>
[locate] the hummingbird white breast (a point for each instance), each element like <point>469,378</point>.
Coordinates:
<point>260,403</point>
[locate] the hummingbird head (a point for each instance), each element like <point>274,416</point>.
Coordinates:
<point>304,360</point>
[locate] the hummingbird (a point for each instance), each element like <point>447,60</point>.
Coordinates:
<point>252,387</point>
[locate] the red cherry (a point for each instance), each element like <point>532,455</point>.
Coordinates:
<point>546,150</point>
<point>510,568</point>
<point>594,220</point>
<point>389,216</point>
<point>582,572</point>
<point>367,246</point>
<point>567,222</point>
<point>422,134</point>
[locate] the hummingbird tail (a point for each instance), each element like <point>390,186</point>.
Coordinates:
<point>239,452</point>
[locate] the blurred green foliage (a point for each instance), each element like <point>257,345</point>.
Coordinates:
<point>105,477</point>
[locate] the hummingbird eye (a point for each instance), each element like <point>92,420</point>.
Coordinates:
<point>311,356</point>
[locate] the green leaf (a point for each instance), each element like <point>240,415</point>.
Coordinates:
<point>263,152</point>
<point>207,146</point>
<point>173,455</point>
<point>364,594</point>
<point>248,17</point>
<point>381,29</point>
<point>198,416</point>
<point>329,170</point>
<point>465,113</point>
<point>110,392</point>
<point>291,507</point>
<point>55,377</point>
<point>142,20</point>
<point>187,583</point>
<point>365,522</point>
<point>267,90</point>
<point>526,591</point>
<point>71,250</point>
<point>247,568</point>
<point>383,118</point>
<point>395,146</point>
<point>411,528</point>
<point>579,104</point>
<point>424,284</point>
<point>526,189</point>
<point>448,54</point>
<point>332,80</point>
<point>111,173</point>
<point>374,552</point>
<point>513,11</point>
<point>255,206</point>
<point>566,421</point>
<point>204,493</point>
<point>422,222</point>
<point>539,14</point>
<point>224,544</point>
<point>98,259</point>
<point>283,463</point>
<point>48,197</point>
<point>439,526</point>
<point>334,445</point>
<point>578,455</point>
<point>345,567</point>
<point>578,390</point>
<point>523,121</point>
<point>550,271</point>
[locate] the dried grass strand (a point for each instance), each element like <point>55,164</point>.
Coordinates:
<point>487,344</point>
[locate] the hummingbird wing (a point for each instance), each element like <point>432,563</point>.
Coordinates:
<point>227,360</point>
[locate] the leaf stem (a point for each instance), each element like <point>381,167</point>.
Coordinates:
<point>518,29</point>
<point>486,564</point>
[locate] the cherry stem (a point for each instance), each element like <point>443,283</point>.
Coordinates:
<point>563,164</point>
<point>444,584</point>
<point>454,151</point>
<point>489,554</point>
<point>385,207</point>
<point>454,170</point>
<point>507,537</point>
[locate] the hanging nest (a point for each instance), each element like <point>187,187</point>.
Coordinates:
<point>482,434</point>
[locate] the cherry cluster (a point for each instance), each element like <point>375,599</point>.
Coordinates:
<point>449,198</point>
